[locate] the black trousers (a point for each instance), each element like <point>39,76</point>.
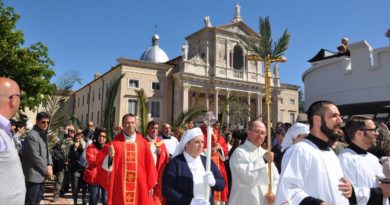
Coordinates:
<point>34,193</point>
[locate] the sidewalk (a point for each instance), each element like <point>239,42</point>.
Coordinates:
<point>48,196</point>
<point>66,199</point>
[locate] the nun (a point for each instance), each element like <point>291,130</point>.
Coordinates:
<point>185,178</point>
<point>294,134</point>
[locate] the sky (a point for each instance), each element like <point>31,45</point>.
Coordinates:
<point>88,36</point>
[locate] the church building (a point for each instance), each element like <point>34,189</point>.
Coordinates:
<point>213,67</point>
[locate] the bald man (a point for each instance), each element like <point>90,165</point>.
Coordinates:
<point>12,186</point>
<point>249,168</point>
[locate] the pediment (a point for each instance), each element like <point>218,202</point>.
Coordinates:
<point>238,28</point>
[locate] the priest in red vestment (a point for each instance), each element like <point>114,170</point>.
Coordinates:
<point>160,156</point>
<point>219,151</point>
<point>126,167</point>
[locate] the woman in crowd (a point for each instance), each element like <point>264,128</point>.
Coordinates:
<point>96,192</point>
<point>185,177</point>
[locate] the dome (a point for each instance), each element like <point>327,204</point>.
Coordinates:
<point>154,54</point>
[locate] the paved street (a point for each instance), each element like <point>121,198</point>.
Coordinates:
<point>48,196</point>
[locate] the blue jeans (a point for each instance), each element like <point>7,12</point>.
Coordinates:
<point>34,193</point>
<point>96,192</point>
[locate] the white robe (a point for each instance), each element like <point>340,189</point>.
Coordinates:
<point>250,175</point>
<point>360,170</point>
<point>309,171</point>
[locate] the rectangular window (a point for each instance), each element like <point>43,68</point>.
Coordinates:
<point>99,94</point>
<point>292,102</point>
<point>133,83</point>
<point>132,106</point>
<point>82,118</point>
<point>281,113</point>
<point>92,116</point>
<point>156,86</point>
<point>86,118</point>
<point>155,109</point>
<point>281,100</point>
<point>98,117</point>
<point>78,102</point>
<point>93,96</point>
<point>292,118</point>
<point>83,101</point>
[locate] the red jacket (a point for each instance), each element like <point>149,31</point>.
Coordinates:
<point>90,172</point>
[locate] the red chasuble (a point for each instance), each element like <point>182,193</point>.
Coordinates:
<point>133,172</point>
<point>162,161</point>
<point>219,196</point>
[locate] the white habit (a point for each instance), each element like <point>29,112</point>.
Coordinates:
<point>360,168</point>
<point>310,171</point>
<point>250,175</point>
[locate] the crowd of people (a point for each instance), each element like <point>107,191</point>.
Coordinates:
<point>322,161</point>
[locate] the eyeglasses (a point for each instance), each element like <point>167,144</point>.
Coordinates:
<point>258,132</point>
<point>13,95</point>
<point>45,122</point>
<point>370,129</point>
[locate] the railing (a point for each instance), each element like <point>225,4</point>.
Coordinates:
<point>238,74</point>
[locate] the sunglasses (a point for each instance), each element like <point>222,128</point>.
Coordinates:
<point>45,122</point>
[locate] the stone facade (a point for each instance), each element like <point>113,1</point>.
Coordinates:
<point>213,67</point>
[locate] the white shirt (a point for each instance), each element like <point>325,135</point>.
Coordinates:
<point>361,169</point>
<point>170,144</point>
<point>250,175</point>
<point>310,171</point>
<point>198,172</point>
<point>153,149</point>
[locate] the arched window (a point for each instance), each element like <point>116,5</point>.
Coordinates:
<point>238,58</point>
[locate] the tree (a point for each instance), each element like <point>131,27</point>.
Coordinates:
<point>187,116</point>
<point>56,101</point>
<point>30,67</point>
<point>143,110</point>
<point>109,109</point>
<point>301,99</point>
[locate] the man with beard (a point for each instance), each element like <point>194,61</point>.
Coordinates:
<point>360,166</point>
<point>313,173</point>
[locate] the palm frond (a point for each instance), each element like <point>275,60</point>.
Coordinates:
<point>265,37</point>
<point>53,104</point>
<point>73,120</point>
<point>281,45</point>
<point>186,116</point>
<point>143,109</point>
<point>109,109</point>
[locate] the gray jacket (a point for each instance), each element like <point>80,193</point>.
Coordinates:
<point>36,156</point>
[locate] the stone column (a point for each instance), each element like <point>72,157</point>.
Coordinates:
<point>206,97</point>
<point>249,107</point>
<point>227,107</point>
<point>186,88</point>
<point>216,103</point>
<point>259,106</point>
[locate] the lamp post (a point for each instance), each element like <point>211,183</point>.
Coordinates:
<point>267,71</point>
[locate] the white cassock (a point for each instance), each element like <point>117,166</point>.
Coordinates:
<point>170,144</point>
<point>250,175</point>
<point>361,169</point>
<point>309,171</point>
